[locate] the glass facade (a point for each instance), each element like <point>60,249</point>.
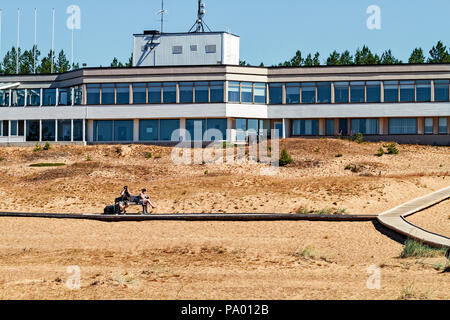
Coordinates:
<point>78,130</point>
<point>65,96</point>
<point>308,92</point>
<point>14,126</point>
<point>49,97</point>
<point>34,97</point>
<point>407,93</point>
<point>123,93</point>
<point>247,92</point>
<point>108,94</point>
<point>139,93</point>
<point>154,92</point>
<point>123,130</point>
<point>93,94</point>
<point>217,91</point>
<point>48,130</point>
<point>364,126</point>
<point>148,130</point>
<point>217,129</point>
<point>403,126</point>
<point>373,91</point>
<point>260,93</point>
<point>167,129</point>
<point>341,92</point>
<point>78,95</point>
<point>234,92</point>
<point>443,123</point>
<point>357,92</point>
<point>428,126</point>
<point>441,90</point>
<point>187,92</point>
<point>169,92</point>
<point>18,98</point>
<point>391,91</point>
<point>324,92</point>
<point>196,129</point>
<point>201,92</point>
<point>423,90</point>
<point>292,93</point>
<point>64,130</point>
<point>33,128</point>
<point>329,127</point>
<point>305,127</point>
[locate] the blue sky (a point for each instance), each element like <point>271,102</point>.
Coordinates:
<point>270,31</point>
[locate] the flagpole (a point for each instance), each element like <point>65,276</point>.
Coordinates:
<point>53,40</point>
<point>73,27</point>
<point>18,41</point>
<point>35,40</point>
<point>1,31</point>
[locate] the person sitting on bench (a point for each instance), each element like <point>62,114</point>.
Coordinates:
<point>146,200</point>
<point>125,198</point>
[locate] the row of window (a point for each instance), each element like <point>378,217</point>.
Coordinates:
<point>210,48</point>
<point>397,126</point>
<point>38,97</point>
<point>238,92</point>
<point>155,93</point>
<point>359,92</point>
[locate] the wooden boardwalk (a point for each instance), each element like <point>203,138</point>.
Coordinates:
<point>395,219</point>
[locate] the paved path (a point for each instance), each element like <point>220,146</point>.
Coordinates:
<point>395,219</point>
<point>194,217</point>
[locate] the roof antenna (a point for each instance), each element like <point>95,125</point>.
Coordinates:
<point>161,12</point>
<point>200,25</point>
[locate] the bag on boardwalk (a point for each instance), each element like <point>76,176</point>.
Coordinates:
<point>109,210</point>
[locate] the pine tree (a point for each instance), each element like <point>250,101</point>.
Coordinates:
<point>10,61</point>
<point>417,56</point>
<point>439,54</point>
<point>116,64</point>
<point>365,57</point>
<point>388,58</point>
<point>334,59</point>
<point>62,64</point>
<point>46,64</point>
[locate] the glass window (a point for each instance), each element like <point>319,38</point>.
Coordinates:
<point>103,130</point>
<point>276,93</point>
<point>108,93</point>
<point>260,93</point>
<point>247,92</point>
<point>177,49</point>
<point>18,98</point>
<point>441,90</point>
<point>391,91</point>
<point>48,130</point>
<point>210,48</point>
<point>403,126</point>
<point>77,130</point>
<point>329,127</point>
<point>324,92</point>
<point>423,90</point>
<point>309,92</point>
<point>443,125</point>
<point>123,93</point>
<point>252,127</point>
<point>5,128</point>
<point>364,126</point>
<point>3,100</point>
<point>169,92</point>
<point>167,128</point>
<point>123,130</point>
<point>93,94</point>
<point>148,130</point>
<point>241,129</point>
<point>49,98</point>
<point>305,127</point>
<point>65,96</point>
<point>34,97</point>
<point>1,128</point>
<point>343,127</point>
<point>139,93</point>
<point>64,130</point>
<point>234,92</point>
<point>217,91</point>
<point>407,93</point>
<point>78,95</point>
<point>428,125</point>
<point>218,125</point>
<point>14,128</point>
<point>33,128</point>
<point>341,92</point>
<point>357,92</point>
<point>292,93</point>
<point>373,91</point>
<point>21,125</point>
<point>201,92</point>
<point>196,129</point>
<point>186,92</point>
<point>154,92</point>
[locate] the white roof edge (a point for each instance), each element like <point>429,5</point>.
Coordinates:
<point>4,86</point>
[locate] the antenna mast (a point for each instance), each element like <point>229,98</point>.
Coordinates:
<point>161,12</point>
<point>199,25</point>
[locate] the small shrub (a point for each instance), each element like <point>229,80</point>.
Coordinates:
<point>392,149</point>
<point>414,248</point>
<point>37,147</point>
<point>339,155</point>
<point>317,150</point>
<point>359,138</point>
<point>380,152</point>
<point>148,155</point>
<point>306,253</point>
<point>184,192</point>
<point>158,156</point>
<point>47,146</point>
<point>206,172</point>
<point>348,167</point>
<point>285,158</point>
<point>88,158</point>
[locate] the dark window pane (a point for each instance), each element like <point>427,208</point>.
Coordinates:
<point>217,129</point>
<point>275,93</point>
<point>403,126</point>
<point>330,127</point>
<point>443,122</point>
<point>201,92</point>
<point>423,90</point>
<point>357,94</point>
<point>324,92</point>
<point>428,125</point>
<point>65,96</point>
<point>18,98</point>
<point>139,93</point>
<point>390,91</point>
<point>64,130</point>
<point>407,91</point>
<point>196,129</point>
<point>308,93</point>
<point>148,130</point>
<point>123,130</point>
<point>93,94</point>
<point>441,90</point>
<point>247,92</point>
<point>123,93</point>
<point>103,131</point>
<point>341,92</point>
<point>373,91</point>
<point>78,95</point>
<point>167,128</point>
<point>169,92</point>
<point>305,127</point>
<point>77,130</point>
<point>364,126</point>
<point>292,93</point>
<point>260,93</point>
<point>154,93</point>
<point>234,92</point>
<point>186,92</point>
<point>34,97</point>
<point>108,94</point>
<point>48,130</point>
<point>14,127</point>
<point>217,91</point>
<point>33,128</point>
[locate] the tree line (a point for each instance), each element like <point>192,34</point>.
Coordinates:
<point>8,65</point>
<point>364,56</point>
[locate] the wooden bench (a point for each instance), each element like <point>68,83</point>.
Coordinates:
<point>135,201</point>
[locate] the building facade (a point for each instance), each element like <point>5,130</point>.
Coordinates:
<point>404,103</point>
